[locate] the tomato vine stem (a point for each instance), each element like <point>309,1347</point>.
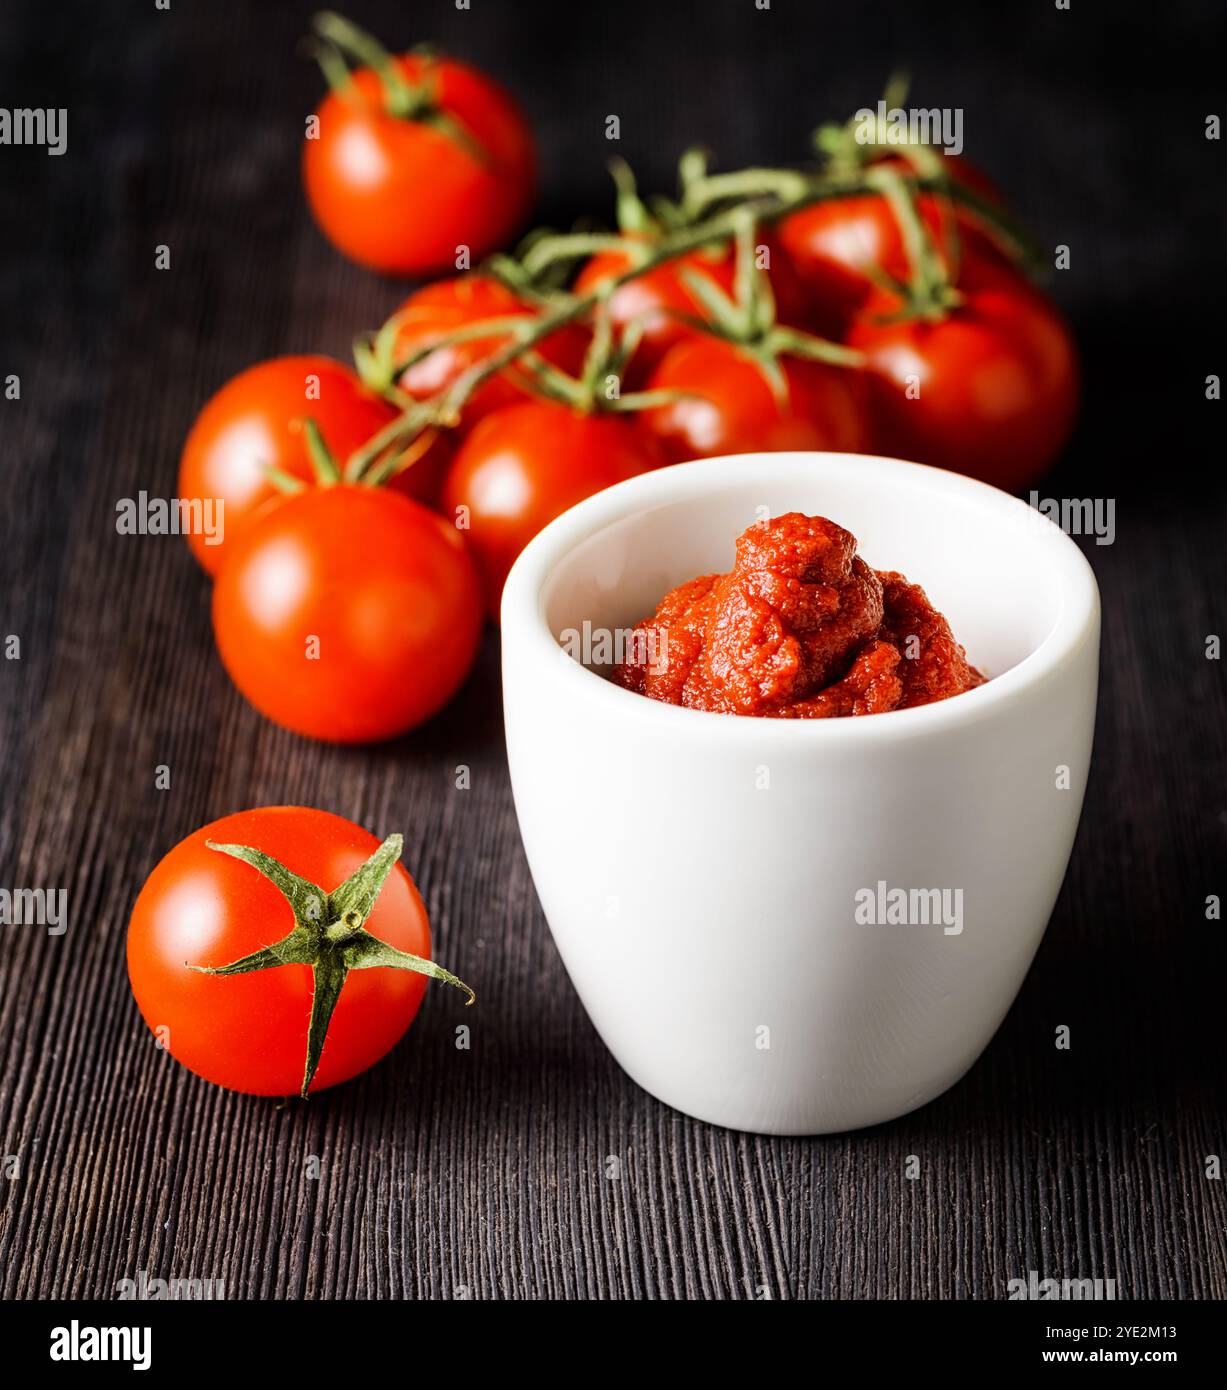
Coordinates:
<point>759,195</point>
<point>339,40</point>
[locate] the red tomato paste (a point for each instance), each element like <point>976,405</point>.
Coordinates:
<point>801,628</point>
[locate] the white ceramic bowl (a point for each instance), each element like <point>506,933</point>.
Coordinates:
<point>700,872</point>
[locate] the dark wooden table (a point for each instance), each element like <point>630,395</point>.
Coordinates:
<point>445,1172</point>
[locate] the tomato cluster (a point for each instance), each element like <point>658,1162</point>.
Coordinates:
<point>879,316</point>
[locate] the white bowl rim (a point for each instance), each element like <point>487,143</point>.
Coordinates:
<point>524,623</point>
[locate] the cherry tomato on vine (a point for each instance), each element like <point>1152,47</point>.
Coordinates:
<point>438,310</point>
<point>203,908</point>
<point>348,613</point>
<point>727,404</point>
<point>990,389</point>
<point>521,467</point>
<point>835,245</point>
<point>257,420</point>
<point>658,297</point>
<point>402,193</point>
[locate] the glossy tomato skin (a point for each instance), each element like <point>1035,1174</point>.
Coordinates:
<point>348,614</point>
<point>993,386</point>
<point>400,196</point>
<point>447,305</point>
<point>833,246</point>
<point>249,1032</point>
<point>727,405</point>
<point>521,467</point>
<point>256,420</point>
<point>661,295</point>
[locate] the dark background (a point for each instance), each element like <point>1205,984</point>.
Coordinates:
<point>485,1171</point>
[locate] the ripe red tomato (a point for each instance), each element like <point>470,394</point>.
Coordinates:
<point>439,309</point>
<point>348,614</point>
<point>659,296</point>
<point>256,420</point>
<point>401,195</point>
<point>521,467</point>
<point>991,390</point>
<point>248,1032</point>
<point>833,246</point>
<point>730,408</point>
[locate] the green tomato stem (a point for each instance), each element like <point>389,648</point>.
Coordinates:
<point>329,935</point>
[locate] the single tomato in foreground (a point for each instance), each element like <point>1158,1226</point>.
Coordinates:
<point>727,404</point>
<point>412,164</point>
<point>280,950</point>
<point>836,246</point>
<point>450,306</point>
<point>662,301</point>
<point>990,389</point>
<point>257,422</point>
<point>521,467</point>
<point>348,613</point>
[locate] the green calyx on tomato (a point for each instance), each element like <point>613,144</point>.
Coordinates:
<point>598,387</point>
<point>370,473</point>
<point>748,317</point>
<point>546,258</point>
<point>633,215</point>
<point>851,149</point>
<point>452,324</point>
<point>339,41</point>
<point>848,146</point>
<point>929,292</point>
<point>323,463</point>
<point>329,935</point>
<point>660,215</point>
<point>376,355</point>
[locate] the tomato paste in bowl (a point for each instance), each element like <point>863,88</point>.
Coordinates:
<point>705,874</point>
<point>800,628</point>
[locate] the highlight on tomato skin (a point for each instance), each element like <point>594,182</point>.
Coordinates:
<point>989,390</point>
<point>521,467</point>
<point>454,305</point>
<point>726,405</point>
<point>202,908</point>
<point>660,301</point>
<point>839,248</point>
<point>348,613</point>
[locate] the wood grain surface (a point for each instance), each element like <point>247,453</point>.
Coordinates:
<point>490,1173</point>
